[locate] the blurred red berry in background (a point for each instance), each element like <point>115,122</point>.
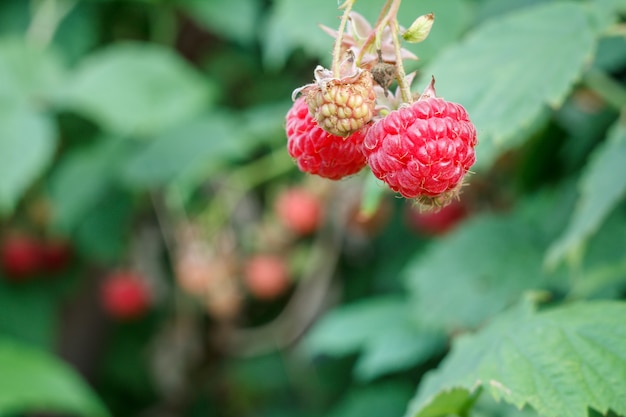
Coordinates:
<point>437,222</point>
<point>125,295</point>
<point>266,276</point>
<point>20,256</point>
<point>299,210</point>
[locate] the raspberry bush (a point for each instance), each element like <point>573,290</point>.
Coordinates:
<point>264,208</point>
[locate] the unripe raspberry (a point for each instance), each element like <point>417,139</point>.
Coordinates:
<point>343,106</point>
<point>424,150</point>
<point>299,210</point>
<point>319,152</point>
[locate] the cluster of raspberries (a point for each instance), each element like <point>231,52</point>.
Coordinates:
<point>422,150</point>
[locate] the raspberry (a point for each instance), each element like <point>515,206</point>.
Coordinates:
<point>424,150</point>
<point>317,151</point>
<point>55,254</point>
<point>124,295</point>
<point>343,106</point>
<point>20,257</point>
<point>266,276</point>
<point>437,222</point>
<point>299,210</point>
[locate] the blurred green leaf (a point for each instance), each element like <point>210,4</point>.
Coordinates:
<point>205,143</point>
<point>28,314</point>
<point>27,144</point>
<point>104,232</point>
<point>82,177</point>
<point>611,54</point>
<point>33,380</point>
<point>234,19</point>
<point>490,9</point>
<point>560,362</point>
<point>602,186</point>
<point>382,399</point>
<point>603,271</point>
<point>508,70</point>
<point>77,34</point>
<point>479,269</point>
<point>28,74</point>
<point>382,329</point>
<point>452,19</point>
<point>138,89</point>
<point>14,17</point>
<point>398,347</point>
<point>348,328</point>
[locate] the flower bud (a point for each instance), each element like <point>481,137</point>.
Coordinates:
<point>420,28</point>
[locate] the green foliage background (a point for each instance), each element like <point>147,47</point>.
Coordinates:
<point>518,311</point>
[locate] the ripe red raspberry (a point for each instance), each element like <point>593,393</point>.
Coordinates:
<point>342,106</point>
<point>55,254</point>
<point>299,210</point>
<point>423,150</point>
<point>124,295</point>
<point>20,257</point>
<point>436,222</point>
<point>266,276</point>
<point>317,151</point>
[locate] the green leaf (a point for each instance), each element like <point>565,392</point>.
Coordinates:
<point>28,313</point>
<point>103,232</point>
<point>27,144</point>
<point>388,399</point>
<point>347,329</point>
<point>81,179</point>
<point>396,348</point>
<point>235,19</point>
<point>602,186</point>
<point>509,70</point>
<point>137,89</point>
<point>382,329</point>
<point>560,362</point>
<point>34,381</point>
<point>479,269</point>
<point>603,270</point>
<point>28,74</point>
<point>204,143</point>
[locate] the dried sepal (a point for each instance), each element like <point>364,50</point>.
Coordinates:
<point>358,31</point>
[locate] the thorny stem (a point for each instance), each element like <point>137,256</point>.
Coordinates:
<point>347,6</point>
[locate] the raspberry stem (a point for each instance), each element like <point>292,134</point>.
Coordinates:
<point>347,6</point>
<point>389,16</point>
<point>405,90</point>
<point>372,36</point>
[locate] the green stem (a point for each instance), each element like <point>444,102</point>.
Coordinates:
<point>240,182</point>
<point>606,87</point>
<point>164,25</point>
<point>372,36</point>
<point>405,89</point>
<point>342,27</point>
<point>47,16</point>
